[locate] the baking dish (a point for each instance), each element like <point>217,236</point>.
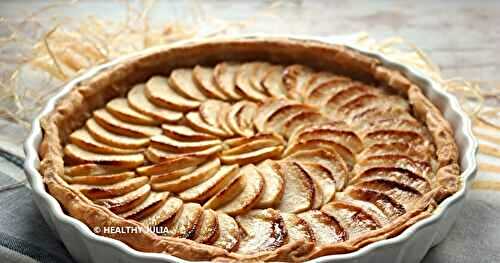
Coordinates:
<point>409,246</point>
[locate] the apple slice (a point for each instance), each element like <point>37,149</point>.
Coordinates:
<point>229,232</point>
<point>320,94</point>
<point>295,78</point>
<point>196,122</point>
<point>277,120</point>
<point>244,84</point>
<point>214,113</point>
<point>253,157</point>
<point>274,185</point>
<point>182,81</point>
<point>84,140</point>
<point>227,193</point>
<point>184,133</point>
<point>225,77</point>
<point>354,221</point>
<point>199,175</point>
<point>113,190</point>
<point>165,143</point>
<point>317,79</point>
<point>112,124</point>
<point>99,179</point>
<point>273,82</point>
<point>92,169</point>
<point>235,142</point>
<point>204,78</point>
<point>301,120</point>
<point>159,91</point>
<point>243,202</point>
<point>264,230</point>
<point>137,99</point>
<point>388,205</point>
<point>127,201</point>
<point>157,156</point>
<point>170,165</point>
<point>338,132</point>
<point>120,108</point>
<point>376,213</point>
<point>165,213</point>
<point>186,222</point>
<point>323,180</point>
<point>104,136</point>
<point>258,75</point>
<point>210,187</point>
<point>240,118</point>
<point>208,232</point>
<point>254,145</point>
<point>268,109</point>
<point>346,94</point>
<point>325,228</point>
<point>328,145</point>
<point>146,208</point>
<point>169,176</point>
<point>76,155</point>
<point>299,193</point>
<point>297,228</point>
<point>401,193</point>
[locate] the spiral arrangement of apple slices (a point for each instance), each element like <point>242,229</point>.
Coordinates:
<point>251,156</point>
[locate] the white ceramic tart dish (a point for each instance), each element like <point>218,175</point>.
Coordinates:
<point>251,149</point>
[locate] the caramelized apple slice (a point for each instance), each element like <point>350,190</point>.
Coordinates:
<point>328,145</point>
<point>353,220</point>
<point>239,118</point>
<point>199,175</point>
<point>301,120</point>
<point>403,194</point>
<point>76,155</point>
<point>126,202</point>
<point>229,232</point>
<point>182,81</point>
<point>263,230</point>
<point>84,140</point>
<point>317,79</point>
<point>254,145</point>
<point>297,228</point>
<point>170,165</point>
<point>325,228</point>
<point>374,212</point>
<point>112,190</point>
<point>104,136</point>
<point>331,131</point>
<point>210,187</point>
<point>196,122</point>
<point>299,189</point>
<point>186,222</point>
<point>258,75</point>
<point>323,180</point>
<point>120,108</point>
<point>99,179</point>
<point>153,202</point>
<point>184,133</point>
<point>345,95</point>
<point>92,169</point>
<point>112,124</point>
<point>273,82</point>
<point>277,120</point>
<point>268,109</point>
<point>165,143</point>
<point>388,205</point>
<point>137,99</point>
<point>208,232</point>
<point>157,156</point>
<point>319,94</point>
<point>214,113</point>
<point>274,185</point>
<point>295,78</point>
<point>243,202</point>
<point>159,91</point>
<point>204,78</point>
<point>227,194</point>
<point>225,77</point>
<point>253,157</point>
<point>244,84</point>
<point>168,176</point>
<point>163,214</point>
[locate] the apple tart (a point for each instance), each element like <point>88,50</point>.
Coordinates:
<point>249,150</point>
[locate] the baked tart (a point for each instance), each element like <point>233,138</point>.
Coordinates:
<point>250,149</point>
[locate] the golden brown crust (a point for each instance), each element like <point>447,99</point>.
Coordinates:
<point>76,107</point>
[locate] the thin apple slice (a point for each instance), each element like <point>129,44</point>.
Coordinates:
<point>210,187</point>
<point>148,207</point>
<point>137,99</point>
<point>329,145</point>
<point>112,124</point>
<point>301,120</point>
<point>354,221</point>
<point>186,222</point>
<point>196,122</point>
<point>92,169</point>
<point>259,73</point>
<point>113,190</point>
<point>204,78</point>
<point>159,91</point>
<point>299,193</point>
<point>228,193</point>
<point>295,78</point>
<point>168,176</point>
<point>208,232</point>
<point>268,109</point>
<point>120,108</point>
<point>338,132</point>
<point>246,116</point>
<point>170,165</point>
<point>273,82</point>
<point>104,136</point>
<point>244,84</point>
<point>234,122</point>
<point>317,79</point>
<point>184,133</point>
<point>277,120</point>
<point>99,179</point>
<point>274,185</point>
<point>253,157</point>
<point>166,143</point>
<point>385,203</point>
<point>157,156</point>
<point>214,113</point>
<point>229,232</point>
<point>250,195</point>
<point>263,230</point>
<point>396,148</point>
<point>325,228</point>
<point>76,155</point>
<point>84,140</point>
<point>182,81</point>
<point>225,77</point>
<point>127,201</point>
<point>376,213</point>
<point>235,142</point>
<point>402,193</point>
<point>323,180</point>
<point>253,146</point>
<point>297,228</point>
<point>222,119</point>
<point>320,94</point>
<point>199,175</point>
<point>165,213</point>
<point>345,95</point>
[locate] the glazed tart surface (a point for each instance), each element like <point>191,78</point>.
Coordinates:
<point>256,160</point>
